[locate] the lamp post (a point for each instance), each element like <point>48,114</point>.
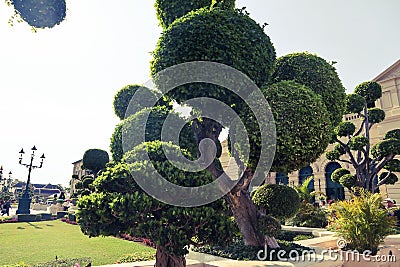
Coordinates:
<point>5,183</point>
<point>24,201</point>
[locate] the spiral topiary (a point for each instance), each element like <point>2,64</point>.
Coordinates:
<point>302,131</point>
<point>348,180</point>
<point>376,115</point>
<point>370,91</point>
<point>354,103</point>
<point>170,10</point>
<point>345,128</point>
<point>338,173</point>
<point>317,74</point>
<point>41,13</point>
<point>280,201</point>
<point>209,35</point>
<point>358,142</point>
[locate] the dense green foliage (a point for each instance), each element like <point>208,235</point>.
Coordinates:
<point>363,221</point>
<point>119,205</point>
<point>302,125</point>
<point>224,4</point>
<point>345,128</point>
<point>358,142</point>
<point>354,103</point>
<point>143,99</point>
<point>127,134</point>
<point>41,13</point>
<point>386,147</point>
<point>395,134</point>
<point>279,201</point>
<point>317,74</point>
<point>309,216</point>
<point>388,178</point>
<point>348,180</point>
<point>209,35</point>
<point>393,165</point>
<point>338,173</point>
<point>269,226</point>
<point>95,160</point>
<point>170,10</point>
<point>376,115</point>
<point>370,91</point>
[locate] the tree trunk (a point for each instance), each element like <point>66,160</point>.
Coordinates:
<point>246,215</point>
<point>164,259</point>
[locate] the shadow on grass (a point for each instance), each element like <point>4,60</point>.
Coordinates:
<point>20,228</point>
<point>35,226</point>
<point>50,225</point>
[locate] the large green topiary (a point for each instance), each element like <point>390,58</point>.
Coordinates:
<point>395,134</point>
<point>229,37</point>
<point>354,103</point>
<point>345,128</point>
<point>376,115</point>
<point>319,75</point>
<point>170,10</point>
<point>302,125</point>
<point>279,201</point>
<point>119,205</point>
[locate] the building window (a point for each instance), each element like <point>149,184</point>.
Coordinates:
<point>282,178</point>
<point>333,190</point>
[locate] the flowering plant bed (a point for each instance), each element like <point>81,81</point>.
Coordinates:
<point>8,219</point>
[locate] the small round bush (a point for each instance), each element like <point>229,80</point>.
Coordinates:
<point>376,115</point>
<point>345,128</point>
<point>269,226</point>
<point>317,74</point>
<point>338,173</point>
<point>392,134</point>
<point>95,160</point>
<point>354,103</point>
<point>393,165</point>
<point>370,91</point>
<point>280,201</point>
<point>358,142</point>
<point>392,179</point>
<point>348,180</point>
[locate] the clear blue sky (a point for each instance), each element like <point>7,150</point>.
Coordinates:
<point>57,85</point>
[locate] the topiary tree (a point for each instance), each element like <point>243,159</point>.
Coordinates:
<point>356,150</point>
<point>39,13</point>
<point>317,74</point>
<point>119,205</point>
<point>95,160</point>
<point>207,35</point>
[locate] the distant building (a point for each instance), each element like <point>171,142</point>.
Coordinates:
<point>323,168</point>
<point>39,190</point>
<point>77,173</point>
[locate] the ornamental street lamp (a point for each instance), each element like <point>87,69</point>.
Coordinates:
<point>24,202</point>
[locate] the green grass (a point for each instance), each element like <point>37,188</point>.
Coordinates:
<point>39,242</point>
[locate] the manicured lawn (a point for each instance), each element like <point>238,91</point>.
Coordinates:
<point>39,242</point>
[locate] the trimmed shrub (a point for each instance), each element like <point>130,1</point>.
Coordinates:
<point>370,91</point>
<point>376,115</point>
<point>392,134</point>
<point>317,74</point>
<point>354,103</point>
<point>358,142</point>
<point>345,128</point>
<point>279,201</point>
<point>393,165</point>
<point>26,217</point>
<point>348,180</point>
<point>338,173</point>
<point>269,226</point>
<point>391,178</point>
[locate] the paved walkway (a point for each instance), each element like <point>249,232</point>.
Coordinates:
<point>327,242</point>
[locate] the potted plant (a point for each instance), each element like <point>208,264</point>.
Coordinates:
<point>363,222</point>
